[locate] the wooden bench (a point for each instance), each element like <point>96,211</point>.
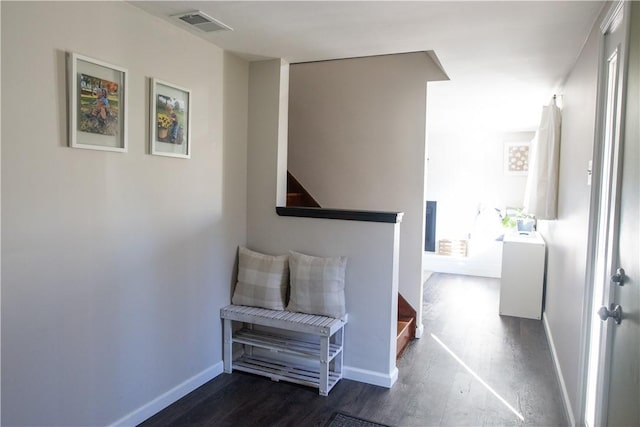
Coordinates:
<point>312,354</point>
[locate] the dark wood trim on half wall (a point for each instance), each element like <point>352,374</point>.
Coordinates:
<point>344,214</point>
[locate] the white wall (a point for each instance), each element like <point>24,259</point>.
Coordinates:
<point>466,170</point>
<point>114,265</point>
<point>566,237</point>
<point>371,248</point>
<point>357,141</point>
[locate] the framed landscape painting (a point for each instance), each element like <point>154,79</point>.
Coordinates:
<point>170,124</point>
<point>97,104</point>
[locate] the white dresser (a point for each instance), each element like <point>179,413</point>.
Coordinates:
<point>521,284</point>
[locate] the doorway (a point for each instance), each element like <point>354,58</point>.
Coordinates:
<point>605,315</point>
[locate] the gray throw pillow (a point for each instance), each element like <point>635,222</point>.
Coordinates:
<point>317,285</point>
<point>262,280</point>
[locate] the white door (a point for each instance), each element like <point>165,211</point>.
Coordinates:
<point>613,390</point>
<point>623,406</point>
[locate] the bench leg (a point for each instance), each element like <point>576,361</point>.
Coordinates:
<point>324,366</point>
<point>338,338</point>
<point>248,349</point>
<point>227,355</point>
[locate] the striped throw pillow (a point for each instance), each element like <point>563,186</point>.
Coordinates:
<point>317,285</point>
<point>262,280</point>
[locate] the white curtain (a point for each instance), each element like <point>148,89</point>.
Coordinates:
<point>541,193</point>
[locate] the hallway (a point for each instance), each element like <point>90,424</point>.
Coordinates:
<point>507,355</point>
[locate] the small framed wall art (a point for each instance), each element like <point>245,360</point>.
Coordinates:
<point>97,104</point>
<point>516,158</point>
<point>170,124</point>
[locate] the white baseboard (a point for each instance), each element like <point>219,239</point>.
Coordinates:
<point>419,330</point>
<point>159,403</point>
<point>556,364</point>
<point>370,377</point>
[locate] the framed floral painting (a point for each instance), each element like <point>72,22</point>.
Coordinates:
<point>170,124</point>
<point>516,158</point>
<point>97,104</point>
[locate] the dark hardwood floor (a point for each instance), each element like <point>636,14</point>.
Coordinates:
<point>508,354</point>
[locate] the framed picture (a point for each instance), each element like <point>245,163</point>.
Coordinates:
<point>516,158</point>
<point>170,127</point>
<point>97,104</point>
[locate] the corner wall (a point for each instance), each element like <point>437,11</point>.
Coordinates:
<point>357,141</point>
<point>371,248</point>
<point>114,265</point>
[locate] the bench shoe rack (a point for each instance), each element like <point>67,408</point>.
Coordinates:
<point>312,356</point>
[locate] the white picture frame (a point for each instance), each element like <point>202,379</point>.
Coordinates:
<point>170,120</point>
<point>97,104</point>
<point>516,158</point>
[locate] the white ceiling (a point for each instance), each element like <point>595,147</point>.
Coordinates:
<point>504,58</point>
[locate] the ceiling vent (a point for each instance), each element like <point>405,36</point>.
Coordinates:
<point>202,21</point>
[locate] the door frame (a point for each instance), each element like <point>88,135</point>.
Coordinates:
<point>606,23</point>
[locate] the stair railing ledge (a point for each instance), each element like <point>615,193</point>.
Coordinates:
<point>343,214</point>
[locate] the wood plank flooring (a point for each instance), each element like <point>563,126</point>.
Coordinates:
<point>508,354</point>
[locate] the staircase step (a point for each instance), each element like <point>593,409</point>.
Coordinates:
<point>406,332</point>
<point>297,195</point>
<point>403,325</point>
<point>406,325</point>
<point>295,199</point>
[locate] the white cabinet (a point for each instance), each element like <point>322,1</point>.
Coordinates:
<point>522,277</point>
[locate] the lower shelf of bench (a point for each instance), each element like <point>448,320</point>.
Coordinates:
<point>278,370</point>
<point>287,345</point>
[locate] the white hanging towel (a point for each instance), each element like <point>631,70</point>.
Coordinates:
<point>541,193</point>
